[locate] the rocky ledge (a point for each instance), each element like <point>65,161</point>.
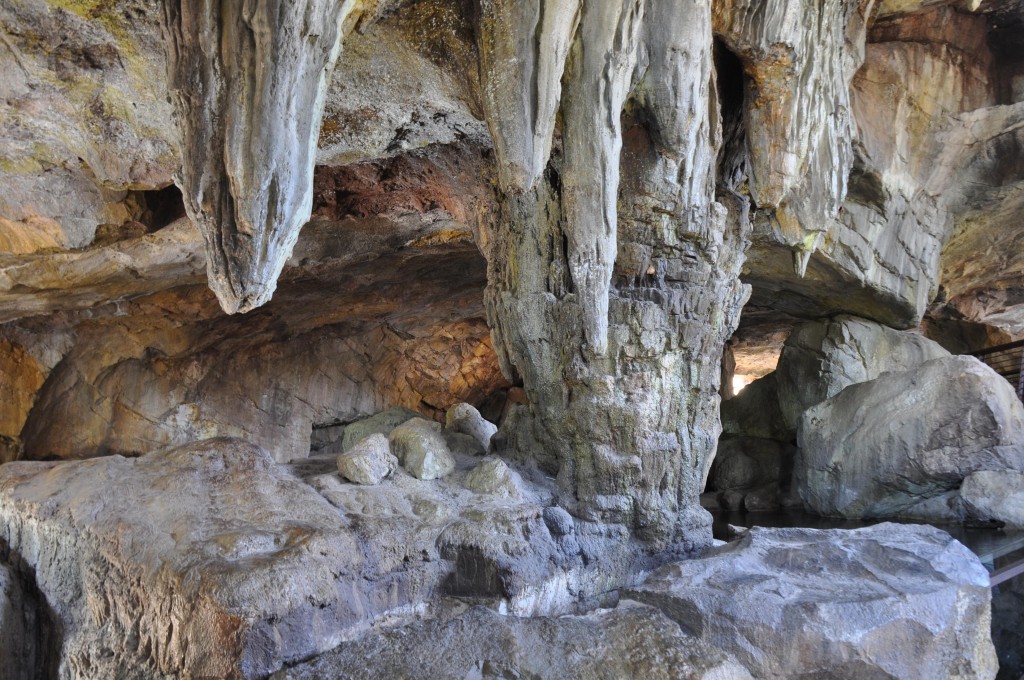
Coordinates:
<point>213,560</point>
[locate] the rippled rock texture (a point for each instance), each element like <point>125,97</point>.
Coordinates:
<point>772,598</point>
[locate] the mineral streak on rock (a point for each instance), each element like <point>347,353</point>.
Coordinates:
<point>248,81</point>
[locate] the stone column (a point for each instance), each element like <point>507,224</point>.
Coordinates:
<point>613,275</point>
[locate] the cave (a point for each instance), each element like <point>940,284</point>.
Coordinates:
<point>510,338</point>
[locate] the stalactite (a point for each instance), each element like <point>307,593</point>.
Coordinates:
<point>248,81</point>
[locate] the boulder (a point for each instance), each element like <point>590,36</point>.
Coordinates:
<point>421,449</point>
<point>880,447</point>
<point>210,560</point>
<point>465,419</point>
<point>631,641</point>
<point>369,461</point>
<point>821,358</point>
<point>755,412</point>
<point>887,601</point>
<point>995,495</point>
<point>493,476</point>
<point>745,464</point>
<point>379,423</point>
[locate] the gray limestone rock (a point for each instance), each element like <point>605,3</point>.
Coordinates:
<point>465,419</point>
<point>613,279</point>
<point>630,641</point>
<point>223,561</point>
<point>379,423</point>
<point>369,461</point>
<point>463,444</point>
<point>995,495</point>
<point>493,476</point>
<point>421,449</point>
<point>248,85</point>
<point>888,601</point>
<point>821,358</point>
<point>880,447</point>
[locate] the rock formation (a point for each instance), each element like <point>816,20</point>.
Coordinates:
<point>248,83</point>
<point>487,263</point>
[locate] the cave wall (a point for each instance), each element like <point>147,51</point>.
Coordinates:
<point>609,163</point>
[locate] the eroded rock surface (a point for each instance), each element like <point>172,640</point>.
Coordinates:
<point>629,641</point>
<point>773,600</point>
<point>878,448</point>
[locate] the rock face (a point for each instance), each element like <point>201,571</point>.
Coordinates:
<point>631,641</point>
<point>878,448</point>
<point>771,600</point>
<point>369,461</point>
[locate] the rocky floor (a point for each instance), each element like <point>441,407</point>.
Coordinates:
<point>215,560</point>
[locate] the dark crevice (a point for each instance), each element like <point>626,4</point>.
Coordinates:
<point>731,170</point>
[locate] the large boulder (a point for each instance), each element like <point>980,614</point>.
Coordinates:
<point>881,447</point>
<point>631,641</point>
<point>888,601</point>
<point>207,561</point>
<point>821,358</point>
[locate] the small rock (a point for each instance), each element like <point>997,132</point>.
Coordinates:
<point>494,477</point>
<point>421,449</point>
<point>463,444</point>
<point>559,521</point>
<point>380,423</point>
<point>465,419</point>
<point>369,461</point>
